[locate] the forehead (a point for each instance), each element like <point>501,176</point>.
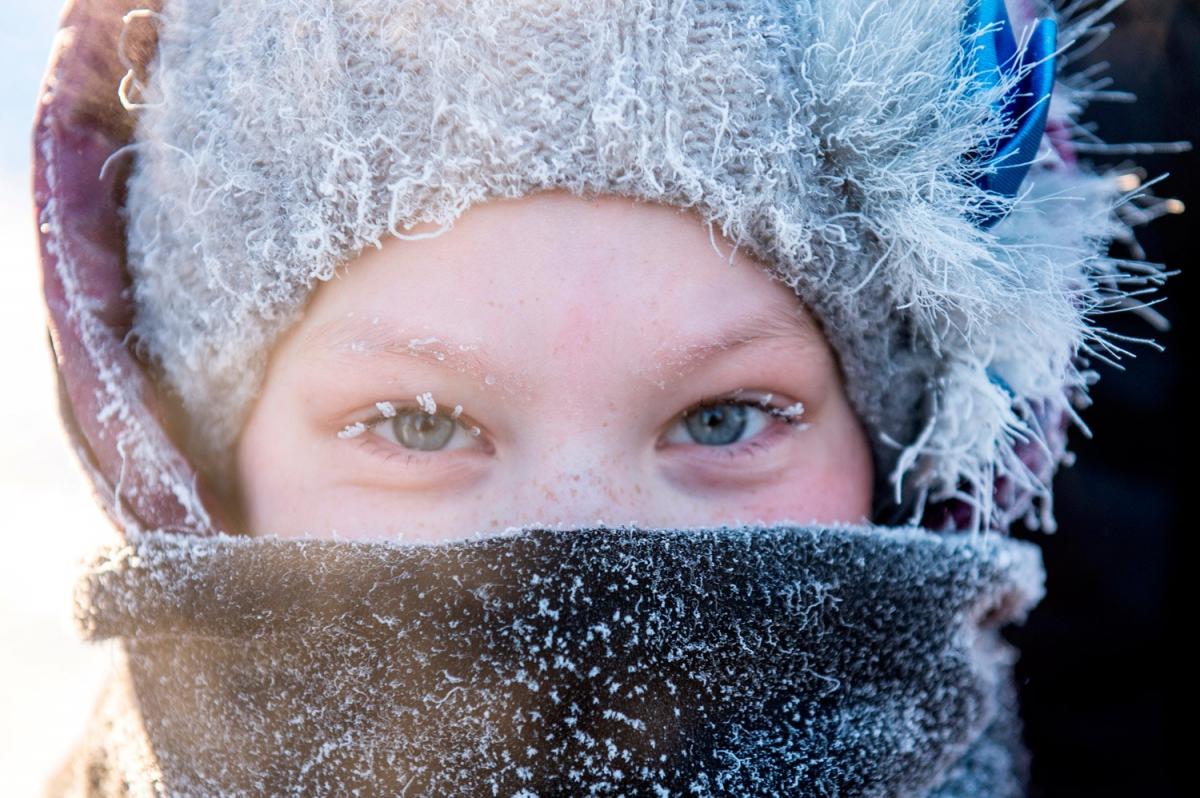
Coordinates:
<point>554,276</point>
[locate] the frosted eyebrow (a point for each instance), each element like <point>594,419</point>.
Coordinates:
<point>774,324</point>
<point>348,339</point>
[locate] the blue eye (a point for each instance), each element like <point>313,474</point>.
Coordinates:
<point>717,425</point>
<point>727,421</point>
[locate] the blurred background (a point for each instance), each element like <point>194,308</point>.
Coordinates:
<point>1102,668</point>
<point>48,679</point>
<point>1103,671</point>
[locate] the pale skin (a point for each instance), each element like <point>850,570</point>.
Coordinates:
<point>544,361</point>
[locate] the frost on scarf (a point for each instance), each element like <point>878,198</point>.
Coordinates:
<point>606,661</point>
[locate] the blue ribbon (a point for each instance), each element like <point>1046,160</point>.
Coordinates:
<point>1004,162</point>
<point>995,379</point>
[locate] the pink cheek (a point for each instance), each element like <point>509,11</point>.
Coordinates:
<point>283,500</point>
<point>828,497</point>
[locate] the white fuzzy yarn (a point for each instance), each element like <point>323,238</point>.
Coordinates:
<point>278,138</point>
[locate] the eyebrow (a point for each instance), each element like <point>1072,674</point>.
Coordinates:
<point>776,323</point>
<point>358,336</point>
<point>355,336</point>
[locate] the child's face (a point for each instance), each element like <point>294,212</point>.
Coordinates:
<point>576,336</point>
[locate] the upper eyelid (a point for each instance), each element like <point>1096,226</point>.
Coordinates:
<point>764,403</point>
<point>407,404</point>
<point>780,414</point>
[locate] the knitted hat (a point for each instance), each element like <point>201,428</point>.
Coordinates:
<point>869,153</point>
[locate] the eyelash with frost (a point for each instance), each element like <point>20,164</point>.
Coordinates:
<point>388,410</point>
<point>353,430</point>
<point>426,402</point>
<point>790,414</point>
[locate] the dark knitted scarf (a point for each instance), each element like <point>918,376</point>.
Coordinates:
<point>841,661</point>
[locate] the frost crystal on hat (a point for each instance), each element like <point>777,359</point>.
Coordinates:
<point>836,140</point>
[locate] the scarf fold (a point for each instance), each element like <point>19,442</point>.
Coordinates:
<point>756,660</point>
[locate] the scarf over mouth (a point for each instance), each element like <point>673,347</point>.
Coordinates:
<point>752,660</point>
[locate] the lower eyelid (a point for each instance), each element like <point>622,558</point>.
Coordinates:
<point>384,465</point>
<point>768,438</point>
<point>386,449</point>
<point>743,465</point>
